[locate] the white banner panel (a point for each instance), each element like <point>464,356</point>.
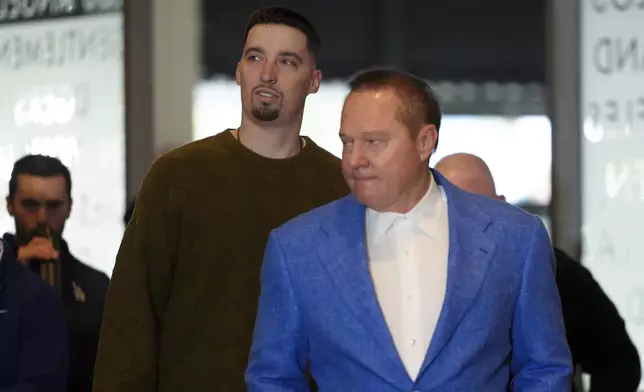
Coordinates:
<point>62,94</point>
<point>612,68</point>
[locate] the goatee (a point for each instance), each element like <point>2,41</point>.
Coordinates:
<point>266,113</point>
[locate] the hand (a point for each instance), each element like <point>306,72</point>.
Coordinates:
<point>38,248</point>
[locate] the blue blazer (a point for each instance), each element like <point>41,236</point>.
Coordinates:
<point>500,327</point>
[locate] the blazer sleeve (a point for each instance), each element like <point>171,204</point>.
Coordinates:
<point>278,354</point>
<point>541,359</point>
<point>42,364</point>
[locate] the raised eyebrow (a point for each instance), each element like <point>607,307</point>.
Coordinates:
<point>253,49</point>
<point>292,54</point>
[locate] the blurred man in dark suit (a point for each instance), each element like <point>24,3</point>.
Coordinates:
<point>40,202</point>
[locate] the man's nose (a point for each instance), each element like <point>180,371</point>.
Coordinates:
<point>42,214</point>
<point>356,157</point>
<point>269,73</point>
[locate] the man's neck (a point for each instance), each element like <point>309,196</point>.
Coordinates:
<point>412,197</point>
<point>275,142</point>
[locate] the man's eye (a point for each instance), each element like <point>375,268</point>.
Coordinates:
<point>30,203</point>
<point>53,204</point>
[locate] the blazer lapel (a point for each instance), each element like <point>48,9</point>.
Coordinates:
<point>346,260</point>
<point>470,254</point>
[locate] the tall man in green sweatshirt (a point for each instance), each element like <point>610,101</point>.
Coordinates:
<point>182,302</point>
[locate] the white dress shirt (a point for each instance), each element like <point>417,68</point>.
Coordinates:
<point>408,264</point>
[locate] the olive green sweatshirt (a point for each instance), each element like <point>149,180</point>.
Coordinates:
<point>183,297</point>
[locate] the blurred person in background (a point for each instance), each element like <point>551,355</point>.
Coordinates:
<point>40,203</point>
<point>33,333</point>
<point>595,331</point>
<point>183,299</point>
<point>359,288</point>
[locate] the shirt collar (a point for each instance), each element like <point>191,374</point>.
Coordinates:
<point>424,215</point>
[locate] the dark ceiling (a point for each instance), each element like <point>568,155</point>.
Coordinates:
<point>458,40</point>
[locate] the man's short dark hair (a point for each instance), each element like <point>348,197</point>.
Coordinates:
<point>39,166</point>
<point>419,103</point>
<point>284,16</point>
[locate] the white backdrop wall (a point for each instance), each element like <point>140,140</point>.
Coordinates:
<point>612,99</point>
<point>61,94</point>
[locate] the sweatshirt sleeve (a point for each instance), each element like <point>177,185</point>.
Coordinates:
<point>140,285</point>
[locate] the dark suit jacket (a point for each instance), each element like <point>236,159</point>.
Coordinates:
<point>33,334</point>
<point>83,296</point>
<point>596,333</point>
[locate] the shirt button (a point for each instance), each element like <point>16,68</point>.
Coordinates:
<point>409,298</point>
<point>413,342</point>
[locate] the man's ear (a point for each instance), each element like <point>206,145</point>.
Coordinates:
<point>69,208</point>
<point>237,74</point>
<point>426,140</point>
<point>315,81</point>
<point>10,206</point>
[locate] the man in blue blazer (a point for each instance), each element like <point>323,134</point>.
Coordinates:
<point>408,284</point>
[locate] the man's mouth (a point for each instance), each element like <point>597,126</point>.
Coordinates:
<point>266,93</point>
<point>363,178</point>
